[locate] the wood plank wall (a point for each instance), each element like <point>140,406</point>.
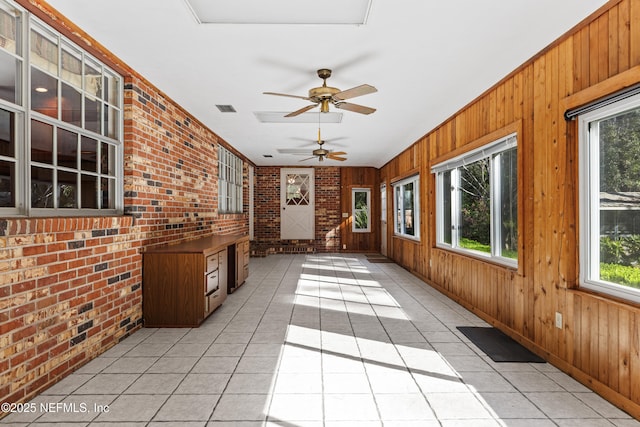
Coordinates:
<point>360,177</point>
<point>599,343</point>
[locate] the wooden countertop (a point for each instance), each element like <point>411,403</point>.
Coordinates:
<point>202,245</point>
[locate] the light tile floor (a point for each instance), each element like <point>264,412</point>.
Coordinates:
<point>318,340</point>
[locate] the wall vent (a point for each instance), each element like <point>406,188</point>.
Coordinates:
<point>226,108</point>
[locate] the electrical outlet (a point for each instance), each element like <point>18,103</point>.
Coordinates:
<point>558,320</point>
<point>344,246</point>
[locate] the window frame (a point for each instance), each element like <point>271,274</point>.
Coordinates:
<point>230,182</point>
<point>18,162</point>
<point>399,186</point>
<point>589,199</point>
<point>492,152</point>
<point>367,191</point>
<point>113,178</point>
<point>383,202</point>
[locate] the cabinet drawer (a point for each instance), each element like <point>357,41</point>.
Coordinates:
<point>212,262</point>
<point>212,283</point>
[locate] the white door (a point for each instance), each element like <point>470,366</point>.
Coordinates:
<point>297,214</point>
<point>383,219</point>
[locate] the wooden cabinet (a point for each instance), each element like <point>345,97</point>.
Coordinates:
<point>216,281</point>
<point>183,284</point>
<point>241,263</point>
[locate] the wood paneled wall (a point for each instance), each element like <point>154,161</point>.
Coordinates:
<point>360,177</point>
<point>599,343</point>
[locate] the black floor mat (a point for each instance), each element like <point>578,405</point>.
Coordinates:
<point>375,258</point>
<point>498,346</point>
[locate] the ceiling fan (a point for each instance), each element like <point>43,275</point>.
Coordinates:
<point>325,95</point>
<point>322,153</point>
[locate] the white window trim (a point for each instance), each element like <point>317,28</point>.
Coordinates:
<point>589,199</point>
<point>383,202</point>
<point>487,151</point>
<point>440,203</point>
<point>230,184</point>
<point>18,160</point>
<point>24,115</point>
<point>416,201</point>
<point>353,210</point>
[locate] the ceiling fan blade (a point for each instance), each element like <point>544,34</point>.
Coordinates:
<point>340,159</point>
<point>308,158</point>
<point>284,94</point>
<point>307,141</point>
<point>337,153</point>
<point>338,138</point>
<point>355,108</point>
<point>355,91</point>
<point>294,151</point>
<point>302,110</point>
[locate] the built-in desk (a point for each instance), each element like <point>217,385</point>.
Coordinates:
<point>183,284</point>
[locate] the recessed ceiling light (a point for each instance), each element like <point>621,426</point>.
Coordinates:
<point>352,12</point>
<point>41,89</point>
<point>279,117</point>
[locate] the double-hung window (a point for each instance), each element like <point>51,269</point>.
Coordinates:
<point>610,198</point>
<point>477,202</point>
<point>60,123</point>
<point>229,182</point>
<point>406,218</point>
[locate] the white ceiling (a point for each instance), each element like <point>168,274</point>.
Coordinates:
<point>426,58</point>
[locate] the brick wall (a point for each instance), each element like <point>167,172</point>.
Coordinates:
<point>328,210</point>
<point>70,288</point>
<point>171,184</point>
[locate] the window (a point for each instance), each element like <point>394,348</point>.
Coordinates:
<point>230,182</point>
<point>63,155</point>
<point>477,202</point>
<point>11,55</point>
<point>361,210</point>
<point>406,221</point>
<point>383,203</point>
<point>610,199</point>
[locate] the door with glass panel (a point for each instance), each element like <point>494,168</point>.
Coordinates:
<point>297,211</point>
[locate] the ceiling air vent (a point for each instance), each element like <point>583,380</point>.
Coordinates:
<point>226,108</point>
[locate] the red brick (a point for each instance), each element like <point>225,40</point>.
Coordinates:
<point>20,358</point>
<point>10,326</point>
<point>47,259</point>
<point>60,348</point>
